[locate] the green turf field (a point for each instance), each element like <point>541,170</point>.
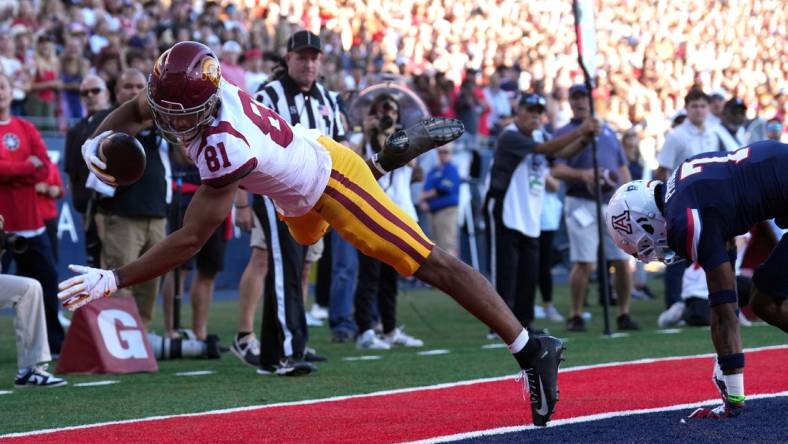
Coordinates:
<point>445,326</point>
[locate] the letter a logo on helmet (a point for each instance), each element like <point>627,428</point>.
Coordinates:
<point>183,89</point>
<point>621,223</point>
<point>636,224</point>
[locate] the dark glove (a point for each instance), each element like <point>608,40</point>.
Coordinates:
<point>405,145</point>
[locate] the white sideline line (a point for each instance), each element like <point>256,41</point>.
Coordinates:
<point>437,351</point>
<point>362,358</point>
<point>581,419</point>
<point>5,392</point>
<point>96,383</point>
<point>366,395</point>
<point>196,373</point>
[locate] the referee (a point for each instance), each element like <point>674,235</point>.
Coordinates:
<point>298,98</point>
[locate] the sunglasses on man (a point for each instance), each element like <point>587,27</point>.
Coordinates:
<point>93,91</point>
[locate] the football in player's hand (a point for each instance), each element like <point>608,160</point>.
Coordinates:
<point>124,156</point>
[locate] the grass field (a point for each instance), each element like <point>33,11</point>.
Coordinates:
<point>234,385</point>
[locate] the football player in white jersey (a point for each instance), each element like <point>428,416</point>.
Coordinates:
<point>314,182</point>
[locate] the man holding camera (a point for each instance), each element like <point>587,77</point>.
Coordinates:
<point>377,281</point>
<point>32,351</point>
<point>23,163</point>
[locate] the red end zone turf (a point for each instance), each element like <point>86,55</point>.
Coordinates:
<point>421,414</point>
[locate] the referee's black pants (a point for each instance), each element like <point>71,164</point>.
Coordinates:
<point>514,263</point>
<point>283,332</point>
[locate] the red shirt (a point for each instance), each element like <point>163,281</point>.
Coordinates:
<point>19,139</point>
<point>484,127</point>
<point>47,205</point>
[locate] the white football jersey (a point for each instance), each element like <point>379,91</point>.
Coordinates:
<point>250,142</point>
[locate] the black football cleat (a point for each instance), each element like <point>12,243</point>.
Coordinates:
<point>409,143</point>
<point>542,379</point>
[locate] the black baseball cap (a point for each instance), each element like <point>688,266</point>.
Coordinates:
<point>735,104</point>
<point>303,40</point>
<point>532,100</point>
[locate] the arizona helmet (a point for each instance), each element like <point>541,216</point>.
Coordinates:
<point>636,224</point>
<point>183,89</point>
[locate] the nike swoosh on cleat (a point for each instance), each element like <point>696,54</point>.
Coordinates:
<point>542,410</point>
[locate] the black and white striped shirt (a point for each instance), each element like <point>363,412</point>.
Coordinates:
<point>315,109</point>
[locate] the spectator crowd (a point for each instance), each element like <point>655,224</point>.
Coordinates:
<point>673,79</point>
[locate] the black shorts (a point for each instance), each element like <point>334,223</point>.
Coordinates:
<point>210,258</point>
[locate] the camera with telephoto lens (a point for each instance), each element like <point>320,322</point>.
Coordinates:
<point>385,123</point>
<point>188,347</point>
<point>13,243</point>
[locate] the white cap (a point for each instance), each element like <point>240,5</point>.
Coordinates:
<point>718,92</point>
<point>231,46</point>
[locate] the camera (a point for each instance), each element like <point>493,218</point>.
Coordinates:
<point>385,123</point>
<point>189,347</point>
<point>12,242</point>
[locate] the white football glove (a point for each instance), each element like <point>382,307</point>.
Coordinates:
<point>92,160</point>
<point>90,284</point>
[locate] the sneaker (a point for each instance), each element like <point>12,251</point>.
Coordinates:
<point>312,321</point>
<point>626,323</point>
<point>212,348</point>
<point>399,337</point>
<point>341,336</point>
<point>37,376</point>
<point>492,336</point>
<point>370,341</point>
<point>408,144</point>
<point>576,323</point>
<point>551,313</point>
<point>247,349</point>
<point>310,355</point>
<point>642,293</point>
<point>672,315</point>
<point>318,312</point>
<point>647,291</point>
<point>539,312</point>
<point>532,331</point>
<point>726,410</point>
<point>743,321</point>
<point>288,367</point>
<point>542,379</point>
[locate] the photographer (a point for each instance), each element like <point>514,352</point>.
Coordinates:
<point>27,299</point>
<point>23,163</point>
<point>375,278</point>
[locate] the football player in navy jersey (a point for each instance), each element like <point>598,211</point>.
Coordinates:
<point>710,199</point>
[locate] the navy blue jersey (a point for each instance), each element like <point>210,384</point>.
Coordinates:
<point>713,197</point>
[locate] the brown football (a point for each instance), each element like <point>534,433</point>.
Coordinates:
<point>124,156</point>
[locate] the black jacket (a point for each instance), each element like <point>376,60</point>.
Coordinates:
<point>74,164</point>
<point>147,197</point>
